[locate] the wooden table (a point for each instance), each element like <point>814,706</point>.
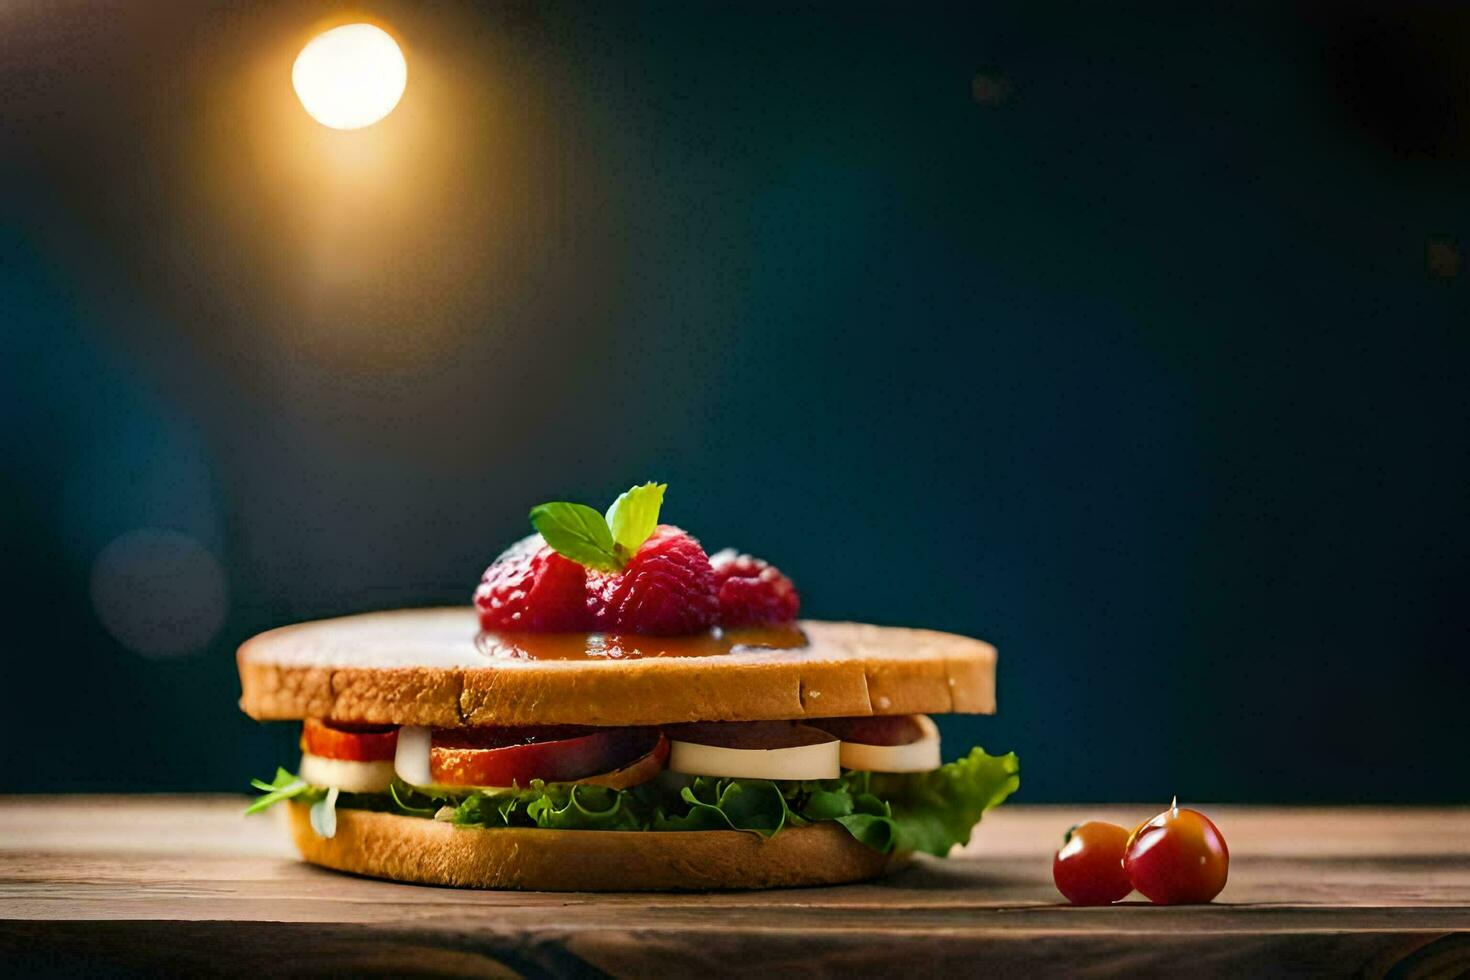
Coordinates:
<point>187,885</point>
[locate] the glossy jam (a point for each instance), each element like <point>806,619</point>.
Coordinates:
<point>620,646</point>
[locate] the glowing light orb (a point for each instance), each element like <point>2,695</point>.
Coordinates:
<point>350,77</point>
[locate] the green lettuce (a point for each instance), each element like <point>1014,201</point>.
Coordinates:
<point>929,811</point>
<point>284,787</point>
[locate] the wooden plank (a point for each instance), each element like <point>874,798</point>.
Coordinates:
<point>159,883</point>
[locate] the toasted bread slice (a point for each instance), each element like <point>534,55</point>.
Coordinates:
<point>385,845</point>
<point>423,667</point>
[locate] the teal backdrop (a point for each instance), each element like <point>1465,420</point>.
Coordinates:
<point>1132,339</point>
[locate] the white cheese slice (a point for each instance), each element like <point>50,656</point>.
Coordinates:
<point>818,761</point>
<point>920,756</point>
<point>346,775</point>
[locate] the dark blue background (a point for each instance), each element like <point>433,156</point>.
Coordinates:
<point>1132,340</point>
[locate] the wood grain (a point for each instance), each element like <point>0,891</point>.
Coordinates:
<point>92,884</point>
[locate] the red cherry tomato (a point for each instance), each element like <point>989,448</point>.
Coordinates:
<point>1177,858</point>
<point>515,756</point>
<point>354,743</point>
<point>1088,869</point>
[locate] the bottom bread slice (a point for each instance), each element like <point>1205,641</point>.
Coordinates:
<point>385,845</point>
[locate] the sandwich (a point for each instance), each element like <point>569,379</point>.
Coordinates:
<point>619,710</point>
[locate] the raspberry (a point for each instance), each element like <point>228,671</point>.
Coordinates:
<point>752,592</point>
<point>532,588</point>
<point>668,587</point>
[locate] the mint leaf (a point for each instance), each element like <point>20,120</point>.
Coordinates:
<point>634,515</point>
<point>578,532</point>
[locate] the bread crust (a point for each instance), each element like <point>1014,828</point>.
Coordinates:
<point>386,845</point>
<point>422,667</point>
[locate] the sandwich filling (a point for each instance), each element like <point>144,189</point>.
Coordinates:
<point>591,589</point>
<point>880,778</point>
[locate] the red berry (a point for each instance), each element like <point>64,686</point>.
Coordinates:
<point>532,588</point>
<point>668,587</point>
<point>752,592</point>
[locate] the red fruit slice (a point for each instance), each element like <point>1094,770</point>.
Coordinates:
<point>749,734</point>
<point>885,730</point>
<point>348,742</point>
<point>635,773</point>
<point>515,756</point>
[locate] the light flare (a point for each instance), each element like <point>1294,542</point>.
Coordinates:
<point>350,77</point>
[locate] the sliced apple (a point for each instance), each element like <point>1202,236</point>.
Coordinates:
<point>635,773</point>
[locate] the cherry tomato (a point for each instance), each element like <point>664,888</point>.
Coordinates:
<point>1088,869</point>
<point>1177,858</point>
<point>515,756</point>
<point>349,742</point>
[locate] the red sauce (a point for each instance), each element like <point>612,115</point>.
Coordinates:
<point>629,646</point>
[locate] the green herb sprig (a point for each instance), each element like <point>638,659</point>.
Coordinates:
<point>605,542</point>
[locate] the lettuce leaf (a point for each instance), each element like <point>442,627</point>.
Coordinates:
<point>284,787</point>
<point>552,806</point>
<point>712,803</point>
<point>929,812</point>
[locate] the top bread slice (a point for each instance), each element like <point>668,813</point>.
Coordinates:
<point>423,667</point>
